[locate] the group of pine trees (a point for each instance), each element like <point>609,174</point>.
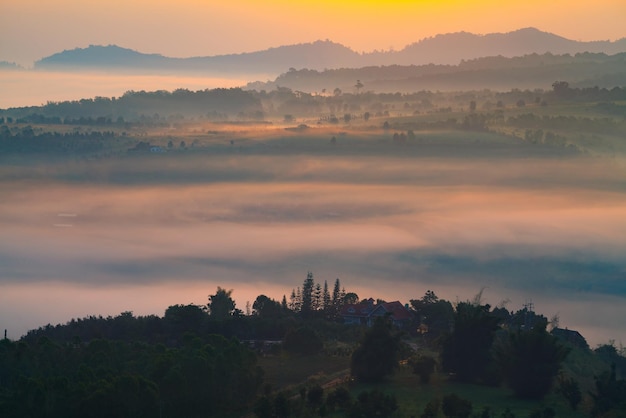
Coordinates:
<point>313,297</point>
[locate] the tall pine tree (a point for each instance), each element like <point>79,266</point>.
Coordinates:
<point>307,294</point>
<point>325,297</point>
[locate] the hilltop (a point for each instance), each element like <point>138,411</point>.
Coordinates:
<point>444,49</point>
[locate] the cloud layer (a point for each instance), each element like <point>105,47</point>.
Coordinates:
<point>387,226</point>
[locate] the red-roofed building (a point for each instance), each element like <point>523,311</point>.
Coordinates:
<point>357,313</point>
<point>366,312</point>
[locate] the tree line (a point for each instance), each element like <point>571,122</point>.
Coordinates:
<point>198,360</point>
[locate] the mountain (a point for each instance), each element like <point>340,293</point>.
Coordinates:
<point>441,49</point>
<point>319,54</point>
<point>454,47</point>
<point>96,56</point>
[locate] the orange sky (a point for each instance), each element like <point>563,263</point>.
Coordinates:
<point>32,29</point>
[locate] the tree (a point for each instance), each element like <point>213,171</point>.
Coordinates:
<point>609,399</point>
<point>265,307</point>
<point>338,398</point>
<point>569,388</point>
<point>350,298</point>
<point>315,395</point>
<point>373,403</point>
<point>377,355</point>
<point>336,300</point>
<point>530,360</point>
<point>325,297</point>
<point>358,86</point>
<point>561,89</point>
<point>423,366</point>
<point>432,409</point>
<point>307,294</point>
<point>184,317</point>
<point>454,406</point>
<point>466,351</point>
<point>436,313</point>
<point>317,299</point>
<point>221,305</point>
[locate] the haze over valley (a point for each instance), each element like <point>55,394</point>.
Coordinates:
<point>178,193</point>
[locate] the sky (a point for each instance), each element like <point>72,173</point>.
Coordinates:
<point>33,29</point>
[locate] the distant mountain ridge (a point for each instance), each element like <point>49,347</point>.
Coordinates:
<point>441,49</point>
<point>496,73</point>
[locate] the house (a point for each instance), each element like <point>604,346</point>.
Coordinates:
<point>357,313</point>
<point>570,336</point>
<point>366,312</point>
<point>399,314</point>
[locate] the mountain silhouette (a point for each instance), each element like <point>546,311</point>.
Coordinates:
<point>449,48</point>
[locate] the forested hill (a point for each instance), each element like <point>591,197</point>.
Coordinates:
<point>442,49</point>
<point>497,73</point>
<point>134,105</point>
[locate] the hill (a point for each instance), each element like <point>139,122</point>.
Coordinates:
<point>496,73</point>
<point>442,49</point>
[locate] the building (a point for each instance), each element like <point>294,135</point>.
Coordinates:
<point>366,312</point>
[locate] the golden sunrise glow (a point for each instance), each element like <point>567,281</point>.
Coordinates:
<point>31,29</point>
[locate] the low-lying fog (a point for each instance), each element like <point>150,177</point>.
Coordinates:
<point>35,88</point>
<point>144,233</point>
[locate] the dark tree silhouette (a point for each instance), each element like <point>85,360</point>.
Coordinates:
<point>307,294</point>
<point>221,305</point>
<point>466,351</point>
<point>265,307</point>
<point>530,360</point>
<point>377,355</point>
<point>454,406</point>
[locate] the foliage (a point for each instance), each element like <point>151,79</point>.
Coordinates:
<point>338,398</point>
<point>113,378</point>
<point>546,412</point>
<point>610,354</point>
<point>373,403</point>
<point>303,340</point>
<point>431,410</point>
<point>221,305</point>
<point>307,294</point>
<point>609,398</point>
<point>423,366</point>
<point>467,350</point>
<point>569,388</point>
<point>530,360</point>
<point>265,307</point>
<point>315,395</point>
<point>436,313</point>
<point>455,407</point>
<point>377,355</point>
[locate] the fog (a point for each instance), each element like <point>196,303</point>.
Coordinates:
<point>34,88</point>
<point>141,234</point>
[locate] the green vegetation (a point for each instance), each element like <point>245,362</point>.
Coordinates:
<point>183,365</point>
